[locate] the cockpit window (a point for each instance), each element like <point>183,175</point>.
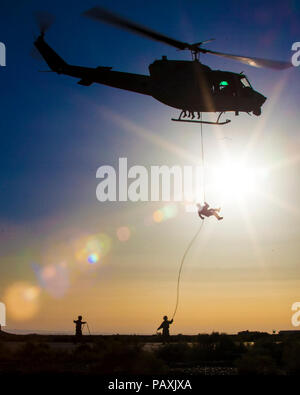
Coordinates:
<point>245,83</point>
<point>223,84</point>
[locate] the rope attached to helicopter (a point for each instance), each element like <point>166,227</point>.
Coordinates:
<point>203,211</point>
<point>198,230</point>
<point>202,153</point>
<point>181,266</point>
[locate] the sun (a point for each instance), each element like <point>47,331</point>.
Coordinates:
<point>236,180</point>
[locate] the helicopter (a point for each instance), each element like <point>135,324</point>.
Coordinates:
<point>188,85</point>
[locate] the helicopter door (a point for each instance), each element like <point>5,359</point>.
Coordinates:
<point>228,88</point>
<point>225,87</point>
<point>225,92</point>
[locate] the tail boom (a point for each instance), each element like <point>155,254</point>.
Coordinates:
<point>102,75</point>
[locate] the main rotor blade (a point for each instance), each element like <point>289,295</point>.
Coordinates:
<point>100,14</point>
<point>204,42</point>
<point>255,62</point>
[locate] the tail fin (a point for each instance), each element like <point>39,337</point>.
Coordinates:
<point>54,61</point>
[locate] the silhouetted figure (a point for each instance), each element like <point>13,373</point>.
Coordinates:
<point>191,114</point>
<point>79,323</point>
<point>165,328</point>
<point>205,211</point>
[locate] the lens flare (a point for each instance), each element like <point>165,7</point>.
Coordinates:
<point>165,213</point>
<point>22,301</point>
<point>158,216</point>
<point>170,211</point>
<point>54,279</point>
<point>89,249</point>
<point>123,233</point>
<point>93,258</point>
<point>49,272</point>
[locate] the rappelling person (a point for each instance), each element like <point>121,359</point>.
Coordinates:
<point>165,328</point>
<point>78,327</point>
<point>205,211</point>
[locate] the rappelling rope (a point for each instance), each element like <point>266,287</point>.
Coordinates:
<point>202,153</point>
<point>198,231</point>
<point>181,266</point>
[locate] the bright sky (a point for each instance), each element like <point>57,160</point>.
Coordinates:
<point>63,253</point>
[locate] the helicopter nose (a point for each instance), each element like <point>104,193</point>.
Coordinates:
<point>261,98</point>
<point>259,101</point>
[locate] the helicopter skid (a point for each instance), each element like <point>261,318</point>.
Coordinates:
<point>191,116</point>
<point>206,122</point>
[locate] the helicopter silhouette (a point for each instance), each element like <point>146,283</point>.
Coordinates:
<point>190,86</point>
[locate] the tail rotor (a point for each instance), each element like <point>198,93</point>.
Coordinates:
<point>44,21</point>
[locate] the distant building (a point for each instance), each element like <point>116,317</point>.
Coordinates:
<point>252,333</point>
<point>290,332</point>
